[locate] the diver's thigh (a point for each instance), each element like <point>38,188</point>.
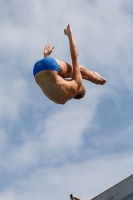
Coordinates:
<point>65,68</point>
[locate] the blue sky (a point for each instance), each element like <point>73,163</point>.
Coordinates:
<point>83,147</point>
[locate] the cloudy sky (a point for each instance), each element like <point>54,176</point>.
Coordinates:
<point>48,151</point>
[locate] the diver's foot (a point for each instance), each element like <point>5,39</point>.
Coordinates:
<point>98,79</point>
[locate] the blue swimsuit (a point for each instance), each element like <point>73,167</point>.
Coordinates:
<point>46,64</point>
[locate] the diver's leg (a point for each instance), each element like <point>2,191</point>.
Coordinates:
<point>92,76</point>
<point>67,72</point>
<point>65,68</point>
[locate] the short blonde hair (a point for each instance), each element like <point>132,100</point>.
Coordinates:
<point>81,93</point>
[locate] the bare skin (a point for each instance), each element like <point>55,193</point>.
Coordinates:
<point>67,72</point>
<point>52,84</point>
<point>55,86</point>
<point>67,69</point>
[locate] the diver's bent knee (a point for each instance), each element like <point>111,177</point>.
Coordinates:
<point>67,69</point>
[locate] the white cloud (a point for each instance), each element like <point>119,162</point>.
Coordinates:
<point>12,98</point>
<point>3,140</point>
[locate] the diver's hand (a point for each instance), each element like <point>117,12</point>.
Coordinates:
<point>48,50</point>
<point>68,30</point>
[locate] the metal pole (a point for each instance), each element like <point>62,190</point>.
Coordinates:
<point>73,197</point>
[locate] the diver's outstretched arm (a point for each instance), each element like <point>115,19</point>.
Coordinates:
<point>74,56</point>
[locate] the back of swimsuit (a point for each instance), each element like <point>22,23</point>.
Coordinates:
<point>46,64</point>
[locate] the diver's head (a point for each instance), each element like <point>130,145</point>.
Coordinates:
<point>81,93</point>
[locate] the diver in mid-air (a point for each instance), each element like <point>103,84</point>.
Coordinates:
<point>51,74</point>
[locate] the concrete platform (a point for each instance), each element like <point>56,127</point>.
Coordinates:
<point>120,191</point>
